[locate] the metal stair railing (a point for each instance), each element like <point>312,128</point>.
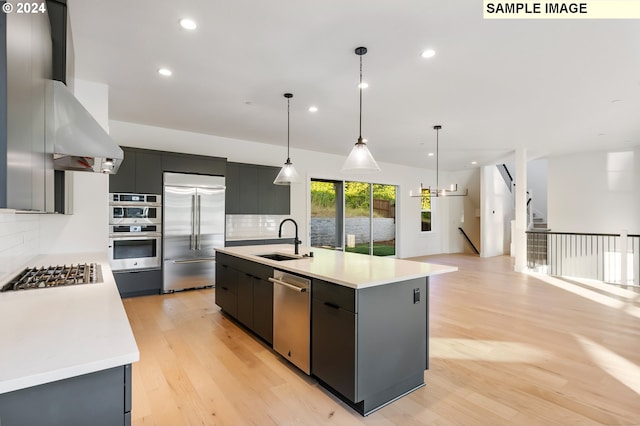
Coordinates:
<point>469,241</point>
<point>612,258</point>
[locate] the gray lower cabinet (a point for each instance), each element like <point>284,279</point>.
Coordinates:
<point>226,285</point>
<point>245,298</point>
<point>138,283</point>
<point>369,346</point>
<point>333,337</point>
<point>263,308</point>
<point>100,398</point>
<point>244,292</point>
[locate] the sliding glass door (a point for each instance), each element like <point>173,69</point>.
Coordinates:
<point>357,221</point>
<point>356,217</point>
<point>384,220</point>
<point>327,203</point>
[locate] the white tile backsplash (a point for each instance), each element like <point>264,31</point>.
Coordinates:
<point>257,227</point>
<point>19,241</point>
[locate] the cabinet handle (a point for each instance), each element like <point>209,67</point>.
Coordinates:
<point>331,305</point>
<point>225,288</point>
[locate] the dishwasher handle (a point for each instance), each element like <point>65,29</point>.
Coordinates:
<point>286,284</point>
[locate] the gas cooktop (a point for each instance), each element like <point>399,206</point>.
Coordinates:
<point>55,276</point>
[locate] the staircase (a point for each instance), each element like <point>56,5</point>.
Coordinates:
<point>539,223</point>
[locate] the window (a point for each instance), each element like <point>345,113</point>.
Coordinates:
<point>425,210</point>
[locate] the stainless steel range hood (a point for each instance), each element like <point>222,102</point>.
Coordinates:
<point>79,142</point>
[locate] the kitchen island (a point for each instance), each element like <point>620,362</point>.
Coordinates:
<point>66,352</point>
<point>368,322</point>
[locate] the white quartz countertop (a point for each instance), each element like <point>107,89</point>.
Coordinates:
<point>55,333</point>
<point>348,269</point>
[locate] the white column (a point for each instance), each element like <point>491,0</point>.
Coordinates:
<point>519,236</point>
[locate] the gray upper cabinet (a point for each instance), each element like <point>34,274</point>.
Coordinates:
<point>148,172</point>
<point>272,199</point>
<point>250,190</point>
<point>141,171</point>
<point>187,163</point>
<point>124,180</point>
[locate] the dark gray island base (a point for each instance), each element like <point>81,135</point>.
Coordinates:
<point>369,346</point>
<point>102,398</point>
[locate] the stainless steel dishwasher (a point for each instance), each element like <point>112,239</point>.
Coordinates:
<point>291,318</point>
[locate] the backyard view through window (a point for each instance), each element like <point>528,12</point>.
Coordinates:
<point>353,216</point>
<point>425,210</point>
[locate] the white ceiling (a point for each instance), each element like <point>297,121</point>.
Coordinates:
<point>552,86</point>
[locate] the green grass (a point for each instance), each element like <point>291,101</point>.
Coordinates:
<point>378,250</point>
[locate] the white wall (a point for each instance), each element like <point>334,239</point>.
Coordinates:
<point>595,192</point>
<point>467,214</point>
<point>537,173</point>
<point>86,230</point>
<point>496,213</point>
<point>309,164</point>
<point>19,241</point>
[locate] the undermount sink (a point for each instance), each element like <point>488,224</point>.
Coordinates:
<point>278,256</point>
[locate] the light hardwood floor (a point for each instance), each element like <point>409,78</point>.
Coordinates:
<point>506,349</point>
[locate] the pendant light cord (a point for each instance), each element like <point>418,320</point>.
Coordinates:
<point>437,159</point>
<point>360,86</point>
<point>288,108</point>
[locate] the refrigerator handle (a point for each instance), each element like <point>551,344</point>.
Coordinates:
<point>198,236</point>
<point>192,237</point>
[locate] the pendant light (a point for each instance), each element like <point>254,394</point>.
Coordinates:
<point>437,191</point>
<point>360,159</point>
<point>288,174</point>
<point>452,191</point>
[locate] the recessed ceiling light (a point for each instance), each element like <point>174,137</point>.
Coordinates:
<point>431,154</point>
<point>188,24</point>
<point>429,53</point>
<point>363,85</point>
<point>313,109</point>
<point>474,162</point>
<point>165,71</point>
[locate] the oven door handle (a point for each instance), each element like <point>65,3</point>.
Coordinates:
<point>134,236</point>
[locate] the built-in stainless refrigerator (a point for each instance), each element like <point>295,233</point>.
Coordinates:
<point>193,226</point>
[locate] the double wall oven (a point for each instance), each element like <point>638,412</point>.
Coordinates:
<point>135,231</point>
